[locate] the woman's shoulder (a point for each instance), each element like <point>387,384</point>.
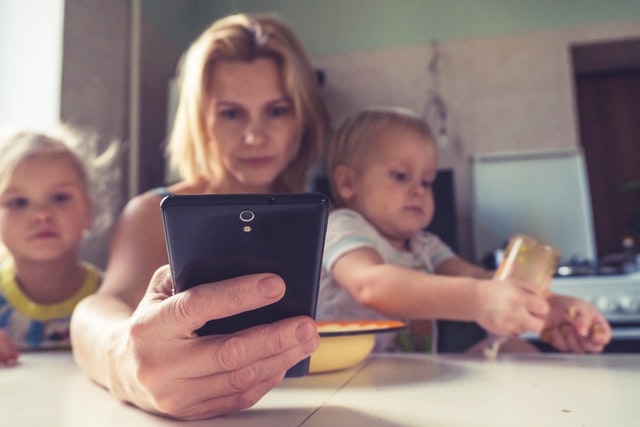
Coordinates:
<point>147,204</point>
<point>150,198</point>
<point>160,191</point>
<point>143,208</point>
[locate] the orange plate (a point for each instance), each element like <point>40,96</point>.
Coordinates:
<point>333,328</point>
<point>346,343</point>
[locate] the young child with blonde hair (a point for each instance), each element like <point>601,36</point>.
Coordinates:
<point>379,263</point>
<point>46,210</point>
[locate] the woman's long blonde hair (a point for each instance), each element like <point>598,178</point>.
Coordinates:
<point>245,38</point>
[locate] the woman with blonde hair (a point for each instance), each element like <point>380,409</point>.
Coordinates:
<point>250,119</point>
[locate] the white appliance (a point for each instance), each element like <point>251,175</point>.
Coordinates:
<point>544,194</point>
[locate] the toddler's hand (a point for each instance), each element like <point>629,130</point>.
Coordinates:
<point>510,307</point>
<point>573,325</point>
<point>8,351</point>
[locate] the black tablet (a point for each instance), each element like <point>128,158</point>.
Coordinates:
<point>217,237</point>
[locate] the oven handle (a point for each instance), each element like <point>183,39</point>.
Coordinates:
<point>626,333</point>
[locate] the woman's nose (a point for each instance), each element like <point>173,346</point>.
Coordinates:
<point>254,133</point>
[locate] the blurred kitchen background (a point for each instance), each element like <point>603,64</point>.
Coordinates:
<point>536,104</point>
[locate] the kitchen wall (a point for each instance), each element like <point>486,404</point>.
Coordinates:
<point>330,27</point>
<point>503,93</point>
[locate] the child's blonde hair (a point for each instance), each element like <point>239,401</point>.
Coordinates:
<point>245,38</point>
<point>97,170</point>
<point>358,131</point>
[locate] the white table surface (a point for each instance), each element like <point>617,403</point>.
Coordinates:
<point>47,389</point>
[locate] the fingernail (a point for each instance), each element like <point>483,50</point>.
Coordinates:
<point>305,332</point>
<point>270,287</point>
<point>572,313</point>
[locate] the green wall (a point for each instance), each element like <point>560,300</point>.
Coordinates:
<point>329,27</point>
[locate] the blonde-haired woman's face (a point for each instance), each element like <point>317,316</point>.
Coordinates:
<point>252,123</point>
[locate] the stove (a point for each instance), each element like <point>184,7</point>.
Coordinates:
<point>617,296</point>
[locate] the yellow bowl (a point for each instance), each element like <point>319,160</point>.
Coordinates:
<point>346,343</point>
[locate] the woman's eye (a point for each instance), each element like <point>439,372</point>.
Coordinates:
<point>399,176</point>
<point>230,114</point>
<point>279,111</point>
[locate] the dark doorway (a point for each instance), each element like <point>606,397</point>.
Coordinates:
<point>607,79</point>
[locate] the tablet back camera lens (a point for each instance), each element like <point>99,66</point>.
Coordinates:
<point>247,216</point>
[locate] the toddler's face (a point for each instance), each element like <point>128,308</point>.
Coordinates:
<point>393,187</point>
<point>44,209</point>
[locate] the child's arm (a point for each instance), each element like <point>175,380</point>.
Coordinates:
<point>8,351</point>
<point>573,325</point>
<point>457,266</point>
<point>406,293</point>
